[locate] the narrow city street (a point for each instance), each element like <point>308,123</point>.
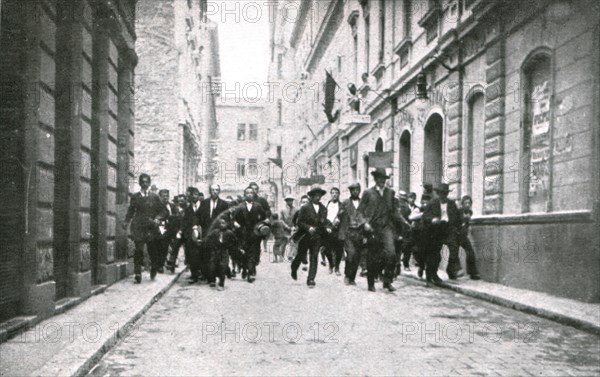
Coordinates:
<point>278,326</point>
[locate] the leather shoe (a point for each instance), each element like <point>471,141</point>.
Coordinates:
<point>347,281</point>
<point>304,268</point>
<point>372,288</point>
<point>219,288</point>
<point>212,285</point>
<point>475,277</point>
<point>420,273</point>
<point>138,279</point>
<point>152,274</point>
<point>251,279</point>
<point>311,284</point>
<point>389,287</point>
<point>193,281</point>
<point>294,274</point>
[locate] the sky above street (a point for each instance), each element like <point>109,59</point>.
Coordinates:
<point>244,42</point>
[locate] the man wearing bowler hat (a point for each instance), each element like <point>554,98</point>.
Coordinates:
<point>312,221</point>
<point>379,215</point>
<point>443,220</point>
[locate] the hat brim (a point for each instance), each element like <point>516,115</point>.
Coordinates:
<point>374,174</point>
<point>318,191</point>
<point>289,198</point>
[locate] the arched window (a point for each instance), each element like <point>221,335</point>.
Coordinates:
<point>536,152</point>
<point>379,145</point>
<point>404,165</point>
<point>433,153</point>
<point>474,150</point>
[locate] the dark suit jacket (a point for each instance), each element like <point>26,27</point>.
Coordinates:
<point>206,220</point>
<point>172,219</point>
<point>264,204</point>
<point>142,212</point>
<point>190,218</point>
<point>377,210</point>
<point>349,218</point>
<point>434,209</point>
<point>307,218</point>
<point>248,220</point>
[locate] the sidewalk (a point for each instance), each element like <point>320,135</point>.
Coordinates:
<point>70,343</point>
<point>581,315</point>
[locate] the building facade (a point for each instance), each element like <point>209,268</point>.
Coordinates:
<point>178,61</point>
<point>510,117</point>
<point>67,116</point>
<point>240,148</point>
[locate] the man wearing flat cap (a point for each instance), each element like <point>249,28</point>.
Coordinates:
<point>312,221</point>
<point>287,213</point>
<point>379,215</point>
<point>443,220</point>
<point>350,233</point>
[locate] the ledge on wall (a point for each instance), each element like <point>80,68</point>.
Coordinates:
<point>584,216</point>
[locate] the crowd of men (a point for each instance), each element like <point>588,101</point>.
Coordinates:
<point>377,232</point>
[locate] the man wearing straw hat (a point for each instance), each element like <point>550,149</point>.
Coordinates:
<point>312,220</point>
<point>378,211</point>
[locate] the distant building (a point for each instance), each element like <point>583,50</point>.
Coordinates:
<point>239,148</point>
<point>178,63</point>
<point>67,116</point>
<point>507,112</point>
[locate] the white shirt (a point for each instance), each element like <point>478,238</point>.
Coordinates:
<point>332,210</point>
<point>144,193</point>
<point>380,190</point>
<point>355,203</point>
<point>196,205</point>
<point>249,206</point>
<point>213,205</point>
<point>169,209</point>
<point>444,212</point>
<point>316,207</point>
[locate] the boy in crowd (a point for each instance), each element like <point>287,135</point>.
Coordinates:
<point>220,242</point>
<point>280,233</point>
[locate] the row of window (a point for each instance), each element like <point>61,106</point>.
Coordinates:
<point>252,131</point>
<point>249,169</point>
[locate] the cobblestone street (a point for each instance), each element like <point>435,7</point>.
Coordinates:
<point>278,326</point>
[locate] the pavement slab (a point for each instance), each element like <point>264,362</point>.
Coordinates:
<point>277,326</point>
<point>68,344</point>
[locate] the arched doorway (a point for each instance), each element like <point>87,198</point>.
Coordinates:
<point>404,163</point>
<point>434,147</point>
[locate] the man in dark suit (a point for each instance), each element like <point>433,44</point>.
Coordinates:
<point>350,233</point>
<point>379,215</point>
<point>443,221</point>
<point>174,227</point>
<point>312,223</point>
<point>145,214</point>
<point>246,216</point>
<point>192,233</point>
<point>168,227</point>
<point>210,209</point>
<point>266,207</point>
